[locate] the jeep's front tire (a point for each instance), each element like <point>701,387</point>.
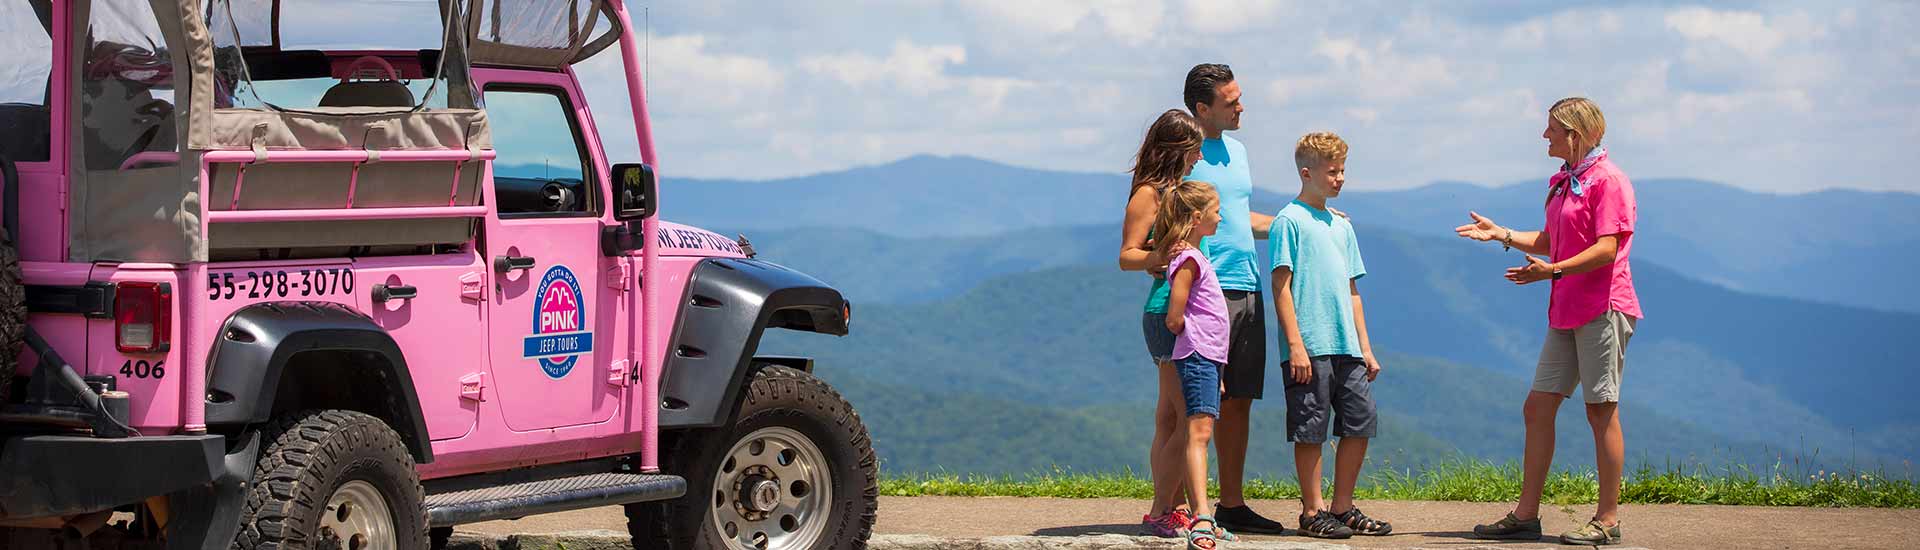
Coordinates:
<point>795,471</point>
<point>329,477</point>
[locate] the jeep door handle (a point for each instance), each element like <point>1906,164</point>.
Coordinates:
<point>509,264</point>
<point>387,293</point>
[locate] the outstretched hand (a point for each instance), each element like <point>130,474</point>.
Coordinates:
<point>1482,228</point>
<point>1536,270</point>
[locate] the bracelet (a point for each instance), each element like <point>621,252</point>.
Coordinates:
<point>1506,243</point>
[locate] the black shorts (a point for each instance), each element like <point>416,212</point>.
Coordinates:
<point>1246,373</point>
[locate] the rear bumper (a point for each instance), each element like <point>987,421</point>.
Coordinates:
<point>55,475</point>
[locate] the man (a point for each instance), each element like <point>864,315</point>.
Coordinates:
<point>1214,99</point>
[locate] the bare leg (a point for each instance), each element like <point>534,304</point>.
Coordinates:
<point>1352,451</point>
<point>1235,421</point>
<point>1306,465</point>
<point>1170,469</point>
<point>1199,432</point>
<point>1610,453</point>
<point>1166,415</point>
<point>1539,411</point>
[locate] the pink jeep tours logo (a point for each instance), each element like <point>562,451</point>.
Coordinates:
<point>559,324</point>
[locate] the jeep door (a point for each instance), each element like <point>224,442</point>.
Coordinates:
<point>549,360</point>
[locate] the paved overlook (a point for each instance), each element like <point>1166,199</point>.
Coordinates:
<point>999,523</point>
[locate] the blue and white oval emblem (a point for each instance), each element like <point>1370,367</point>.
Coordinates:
<point>560,334</point>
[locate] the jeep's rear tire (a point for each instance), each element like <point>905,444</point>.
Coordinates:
<point>13,314</point>
<point>795,471</point>
<point>330,476</point>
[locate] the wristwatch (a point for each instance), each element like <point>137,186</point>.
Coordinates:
<point>1556,274</point>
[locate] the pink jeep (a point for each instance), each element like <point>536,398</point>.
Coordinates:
<point>268,291</point>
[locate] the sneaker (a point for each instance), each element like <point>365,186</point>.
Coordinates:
<point>1164,526</point>
<point>1323,525</point>
<point>1593,534</point>
<point>1245,520</point>
<point>1182,517</point>
<point>1363,525</point>
<point>1509,528</point>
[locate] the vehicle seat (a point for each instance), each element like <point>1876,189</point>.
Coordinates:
<point>368,93</point>
<point>24,131</point>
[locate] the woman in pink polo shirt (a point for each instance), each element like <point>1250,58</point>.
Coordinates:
<point>1590,315</point>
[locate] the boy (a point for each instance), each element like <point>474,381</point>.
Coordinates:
<point>1330,365</point>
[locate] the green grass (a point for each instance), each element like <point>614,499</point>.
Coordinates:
<point>1472,481</point>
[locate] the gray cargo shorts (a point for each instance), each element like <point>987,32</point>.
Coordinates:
<point>1339,395</point>
<point>1593,356</point>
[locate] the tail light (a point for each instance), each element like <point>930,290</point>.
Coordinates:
<point>142,317</point>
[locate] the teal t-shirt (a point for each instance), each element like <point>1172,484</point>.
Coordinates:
<point>1159,293</point>
<point>1223,163</point>
<point>1324,255</point>
<point>1157,296</point>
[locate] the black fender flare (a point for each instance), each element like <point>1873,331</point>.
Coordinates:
<point>729,303</point>
<point>257,343</point>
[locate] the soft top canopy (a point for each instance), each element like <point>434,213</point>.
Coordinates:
<point>153,77</point>
<point>520,33</point>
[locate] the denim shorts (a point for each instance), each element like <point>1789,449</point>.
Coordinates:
<point>1200,384</point>
<point>1159,339</point>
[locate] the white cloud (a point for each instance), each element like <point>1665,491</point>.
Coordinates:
<point>918,69</point>
<point>1229,16</point>
<point>1131,21</point>
<point>724,78</point>
<point>1454,92</point>
<point>1378,72</point>
<point>1753,34</point>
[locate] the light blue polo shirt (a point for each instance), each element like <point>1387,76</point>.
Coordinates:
<point>1223,163</point>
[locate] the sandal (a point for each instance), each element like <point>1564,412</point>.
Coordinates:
<point>1509,528</point>
<point>1322,525</point>
<point>1593,534</point>
<point>1363,525</point>
<point>1195,536</point>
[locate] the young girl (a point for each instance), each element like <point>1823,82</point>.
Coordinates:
<point>1171,147</point>
<point>1197,315</point>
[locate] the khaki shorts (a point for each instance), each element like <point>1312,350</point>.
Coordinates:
<point>1593,356</point>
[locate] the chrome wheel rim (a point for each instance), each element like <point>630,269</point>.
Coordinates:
<point>772,491</point>
<point>357,516</point>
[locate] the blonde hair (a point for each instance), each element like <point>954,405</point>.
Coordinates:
<point>1163,154</point>
<point>1319,149</point>
<point>1178,203</point>
<point>1581,116</point>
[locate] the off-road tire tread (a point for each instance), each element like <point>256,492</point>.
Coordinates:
<point>287,484</point>
<point>771,390</point>
<point>13,314</point>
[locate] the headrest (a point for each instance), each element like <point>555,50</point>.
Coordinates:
<point>368,93</point>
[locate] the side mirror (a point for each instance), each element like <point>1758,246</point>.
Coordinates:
<point>635,192</point>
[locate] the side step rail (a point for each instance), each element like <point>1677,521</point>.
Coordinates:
<point>554,495</point>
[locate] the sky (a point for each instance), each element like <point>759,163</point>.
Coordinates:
<point>1768,96</point>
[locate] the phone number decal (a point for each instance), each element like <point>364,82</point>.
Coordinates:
<point>278,283</point>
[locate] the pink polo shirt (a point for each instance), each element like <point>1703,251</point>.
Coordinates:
<point>1603,205</point>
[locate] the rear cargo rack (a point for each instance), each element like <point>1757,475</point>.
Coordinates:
<point>347,211</point>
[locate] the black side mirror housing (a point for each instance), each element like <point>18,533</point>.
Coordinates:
<point>635,192</point>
